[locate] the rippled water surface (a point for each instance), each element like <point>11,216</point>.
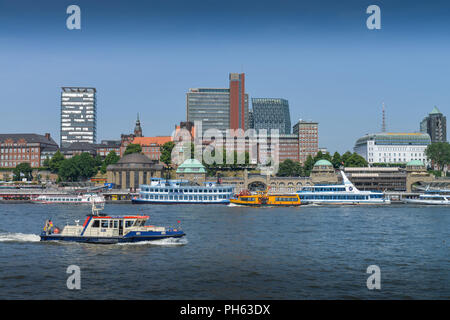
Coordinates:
<point>311,252</point>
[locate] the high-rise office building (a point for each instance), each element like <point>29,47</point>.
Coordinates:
<point>271,113</point>
<point>219,108</point>
<point>308,138</point>
<point>435,124</point>
<point>210,106</point>
<point>238,104</point>
<point>78,115</point>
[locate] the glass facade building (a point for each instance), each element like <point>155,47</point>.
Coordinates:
<point>78,115</point>
<point>211,106</point>
<point>270,113</point>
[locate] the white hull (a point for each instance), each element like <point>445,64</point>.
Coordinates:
<point>344,194</point>
<point>346,202</point>
<point>430,199</point>
<point>430,202</point>
<point>66,199</point>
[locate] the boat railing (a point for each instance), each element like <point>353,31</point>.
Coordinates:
<point>97,207</point>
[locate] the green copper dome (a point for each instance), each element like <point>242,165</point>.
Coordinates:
<point>323,162</point>
<point>191,166</point>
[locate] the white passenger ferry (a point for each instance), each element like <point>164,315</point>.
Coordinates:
<point>87,198</point>
<point>436,199</point>
<point>182,192</point>
<point>345,193</point>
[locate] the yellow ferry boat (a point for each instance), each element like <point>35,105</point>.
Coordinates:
<point>265,199</point>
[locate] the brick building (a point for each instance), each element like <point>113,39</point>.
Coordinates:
<point>308,138</point>
<point>25,148</point>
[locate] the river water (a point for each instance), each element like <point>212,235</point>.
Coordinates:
<point>308,252</point>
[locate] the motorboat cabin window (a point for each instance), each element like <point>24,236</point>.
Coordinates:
<point>129,223</point>
<point>116,224</point>
<point>104,223</point>
<point>96,224</point>
<point>140,223</point>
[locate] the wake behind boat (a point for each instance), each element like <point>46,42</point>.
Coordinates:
<point>99,228</point>
<point>345,193</point>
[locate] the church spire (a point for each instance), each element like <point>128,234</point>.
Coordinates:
<point>137,128</point>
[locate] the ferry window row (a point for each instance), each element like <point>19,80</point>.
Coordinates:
<point>338,197</point>
<point>286,199</point>
<point>114,224</point>
<point>187,198</point>
<point>64,199</point>
<point>329,189</point>
<point>170,190</point>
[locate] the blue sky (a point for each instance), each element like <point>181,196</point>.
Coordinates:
<point>144,56</point>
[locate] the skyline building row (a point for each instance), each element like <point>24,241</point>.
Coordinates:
<point>219,108</point>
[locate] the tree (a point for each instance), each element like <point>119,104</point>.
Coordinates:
<point>86,164</point>
<point>133,148</point>
<point>166,153</point>
<point>80,166</point>
<point>319,156</point>
<point>23,169</point>
<point>336,160</point>
<point>68,171</point>
<point>111,158</point>
<point>345,157</point>
<point>289,168</point>
<point>98,161</point>
<point>55,162</point>
<point>355,160</point>
<point>285,168</point>
<point>439,153</point>
<point>308,165</point>
<point>46,163</point>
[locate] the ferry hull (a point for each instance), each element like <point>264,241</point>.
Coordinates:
<point>339,203</point>
<point>426,202</point>
<point>141,201</point>
<point>111,240</point>
<point>242,203</point>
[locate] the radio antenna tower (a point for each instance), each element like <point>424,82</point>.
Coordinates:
<point>383,125</point>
